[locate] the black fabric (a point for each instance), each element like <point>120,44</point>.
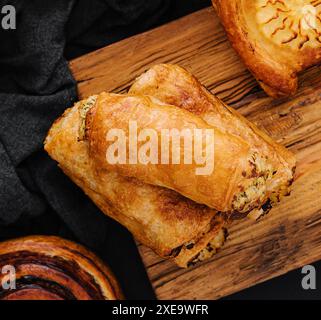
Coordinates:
<point>35,88</point>
<point>95,24</point>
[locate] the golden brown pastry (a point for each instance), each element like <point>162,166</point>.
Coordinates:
<point>162,219</point>
<point>174,85</point>
<point>173,226</point>
<point>242,178</point>
<point>51,268</point>
<point>276,39</point>
<point>227,175</point>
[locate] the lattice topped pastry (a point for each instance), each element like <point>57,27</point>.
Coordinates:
<point>275,38</point>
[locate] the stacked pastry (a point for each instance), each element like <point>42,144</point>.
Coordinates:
<point>179,214</point>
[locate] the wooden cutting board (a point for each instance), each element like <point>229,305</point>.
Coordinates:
<point>290,236</point>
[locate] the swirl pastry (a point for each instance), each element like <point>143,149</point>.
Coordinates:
<point>276,39</point>
<point>50,268</point>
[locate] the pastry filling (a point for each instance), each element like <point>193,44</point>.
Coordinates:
<point>212,247</point>
<point>253,198</point>
<point>254,194</point>
<point>83,110</point>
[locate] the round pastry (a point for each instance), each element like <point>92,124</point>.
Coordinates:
<point>51,268</point>
<point>276,39</point>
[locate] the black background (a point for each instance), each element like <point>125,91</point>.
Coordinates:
<point>35,87</point>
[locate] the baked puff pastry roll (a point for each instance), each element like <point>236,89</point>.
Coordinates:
<point>272,165</point>
<point>276,39</point>
<point>51,268</point>
<point>226,170</point>
<point>173,226</point>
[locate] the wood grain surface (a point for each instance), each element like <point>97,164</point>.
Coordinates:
<point>290,236</point>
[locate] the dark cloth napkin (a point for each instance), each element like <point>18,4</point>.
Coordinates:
<point>36,86</point>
